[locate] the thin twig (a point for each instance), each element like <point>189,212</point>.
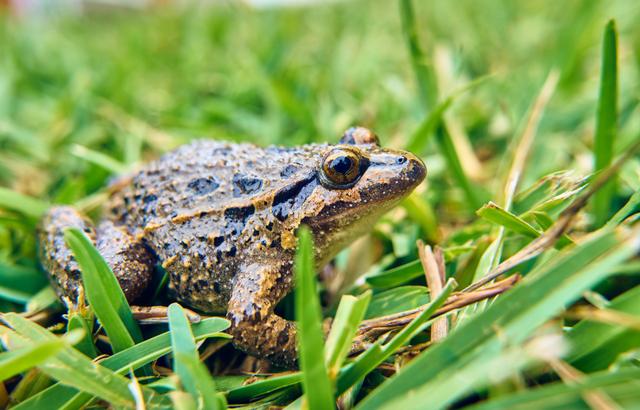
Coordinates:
<point>371,329</point>
<point>520,155</point>
<point>597,399</point>
<point>608,316</point>
<point>525,142</point>
<point>435,282</point>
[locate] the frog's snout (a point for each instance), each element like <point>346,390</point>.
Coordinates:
<point>415,170</point>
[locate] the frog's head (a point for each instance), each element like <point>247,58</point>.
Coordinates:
<point>358,182</point>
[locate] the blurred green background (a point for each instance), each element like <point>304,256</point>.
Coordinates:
<point>129,82</point>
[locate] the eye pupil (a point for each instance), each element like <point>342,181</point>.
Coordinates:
<point>342,167</point>
<point>342,164</point>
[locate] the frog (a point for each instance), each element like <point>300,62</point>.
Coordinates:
<point>221,219</point>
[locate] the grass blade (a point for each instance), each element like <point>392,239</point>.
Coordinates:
<point>606,120</point>
<point>17,361</point>
<point>194,376</point>
<point>540,296</point>
<point>24,204</point>
<point>373,357</point>
<point>262,387</point>
<point>396,276</point>
<point>596,345</point>
<point>315,379</point>
<point>424,75</point>
<point>99,159</point>
<point>74,369</point>
<point>103,292</point>
<point>625,211</point>
<point>621,386</point>
<point>396,300</point>
<point>350,313</point>
<point>121,362</point>
<point>496,214</point>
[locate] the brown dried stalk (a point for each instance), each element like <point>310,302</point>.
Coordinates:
<point>435,282</point>
<point>372,329</point>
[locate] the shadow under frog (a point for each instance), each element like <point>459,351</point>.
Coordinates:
<point>221,218</point>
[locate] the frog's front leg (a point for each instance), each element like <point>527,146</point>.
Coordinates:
<point>131,262</point>
<point>256,329</point>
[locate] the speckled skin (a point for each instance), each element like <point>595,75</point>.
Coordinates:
<point>221,219</point>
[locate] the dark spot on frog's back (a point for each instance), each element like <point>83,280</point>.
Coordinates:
<point>203,186</point>
<point>292,197</point>
<point>149,198</point>
<point>245,185</point>
<point>218,240</point>
<point>283,338</point>
<point>236,218</point>
<point>288,171</point>
<point>239,213</point>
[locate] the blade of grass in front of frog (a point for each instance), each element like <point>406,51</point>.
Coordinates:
<point>97,158</point>
<point>396,276</point>
<point>31,383</point>
<point>373,357</point>
<point>181,400</point>
<point>621,386</point>
<point>103,292</point>
<point>596,345</point>
<point>132,358</point>
<point>500,216</point>
<point>497,215</point>
<point>483,368</point>
<point>260,388</point>
<point>86,346</point>
<point>45,298</point>
<point>315,379</point>
<point>350,313</point>
<point>26,205</point>
<point>396,300</point>
<point>625,211</point>
<point>17,361</point>
<point>74,369</point>
<point>545,222</point>
<point>193,374</point>
<point>606,122</point>
<point>542,295</point>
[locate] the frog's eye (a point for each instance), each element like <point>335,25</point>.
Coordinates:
<point>341,167</point>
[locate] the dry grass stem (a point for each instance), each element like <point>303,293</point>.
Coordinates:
<point>435,281</point>
<point>596,399</point>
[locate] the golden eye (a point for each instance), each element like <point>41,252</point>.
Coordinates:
<point>342,167</point>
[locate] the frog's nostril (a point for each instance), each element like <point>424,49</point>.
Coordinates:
<point>401,160</point>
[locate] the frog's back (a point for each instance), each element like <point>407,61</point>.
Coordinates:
<point>205,176</point>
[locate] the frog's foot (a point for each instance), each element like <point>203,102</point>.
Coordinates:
<point>255,328</point>
<point>131,261</point>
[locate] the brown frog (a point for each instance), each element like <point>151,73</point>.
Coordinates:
<point>221,219</point>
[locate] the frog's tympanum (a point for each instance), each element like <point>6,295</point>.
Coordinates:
<point>221,219</point>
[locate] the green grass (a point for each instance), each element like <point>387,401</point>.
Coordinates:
<point>517,108</point>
